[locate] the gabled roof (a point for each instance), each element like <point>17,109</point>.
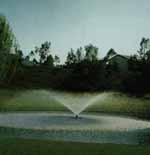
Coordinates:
<point>27,63</point>
<point>123,56</point>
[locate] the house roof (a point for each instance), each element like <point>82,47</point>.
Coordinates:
<point>27,63</point>
<point>123,56</point>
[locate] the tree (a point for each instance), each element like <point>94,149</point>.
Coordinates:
<point>144,52</point>
<point>79,54</point>
<point>27,58</point>
<point>56,60</point>
<point>19,53</point>
<point>43,51</point>
<point>71,57</point>
<point>91,53</point>
<point>7,39</point>
<point>8,45</point>
<point>35,61</point>
<point>31,53</point>
<point>49,61</point>
<point>148,56</point>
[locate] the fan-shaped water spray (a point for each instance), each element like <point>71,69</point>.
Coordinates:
<point>77,103</point>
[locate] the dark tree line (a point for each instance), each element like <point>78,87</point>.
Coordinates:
<point>139,69</point>
<point>82,70</point>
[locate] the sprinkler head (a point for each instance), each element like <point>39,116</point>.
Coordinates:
<point>76,116</point>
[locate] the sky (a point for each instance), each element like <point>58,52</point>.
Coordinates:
<point>118,24</point>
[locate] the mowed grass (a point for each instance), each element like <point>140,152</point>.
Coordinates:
<point>14,100</point>
<point>41,100</point>
<point>118,103</point>
<point>28,100</point>
<point>13,146</point>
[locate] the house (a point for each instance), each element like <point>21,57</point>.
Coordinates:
<point>120,61</point>
<point>27,63</point>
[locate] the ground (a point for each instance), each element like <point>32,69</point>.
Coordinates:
<point>39,100</point>
<point>43,147</point>
<point>15,100</point>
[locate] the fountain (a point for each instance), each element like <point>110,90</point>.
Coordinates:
<point>77,103</point>
<point>60,125</point>
<point>76,116</point>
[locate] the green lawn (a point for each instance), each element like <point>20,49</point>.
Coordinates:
<point>27,100</point>
<point>118,103</point>
<point>14,100</point>
<point>44,147</point>
<point>39,100</point>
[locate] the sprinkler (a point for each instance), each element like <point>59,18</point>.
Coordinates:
<point>76,116</point>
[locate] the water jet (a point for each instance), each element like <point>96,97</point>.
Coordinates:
<point>77,103</point>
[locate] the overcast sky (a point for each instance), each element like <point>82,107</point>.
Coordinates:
<point>73,23</point>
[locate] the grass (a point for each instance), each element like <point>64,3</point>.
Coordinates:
<point>117,103</point>
<point>28,101</point>
<point>14,100</point>
<point>9,146</point>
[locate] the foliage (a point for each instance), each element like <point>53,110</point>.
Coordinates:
<point>71,58</point>
<point>17,146</point>
<point>56,60</point>
<point>83,70</point>
<point>9,51</point>
<point>79,55</point>
<point>91,53</point>
<point>49,61</point>
<point>144,52</point>
<point>7,39</point>
<point>43,52</point>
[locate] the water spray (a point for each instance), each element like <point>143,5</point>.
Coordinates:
<point>77,103</point>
